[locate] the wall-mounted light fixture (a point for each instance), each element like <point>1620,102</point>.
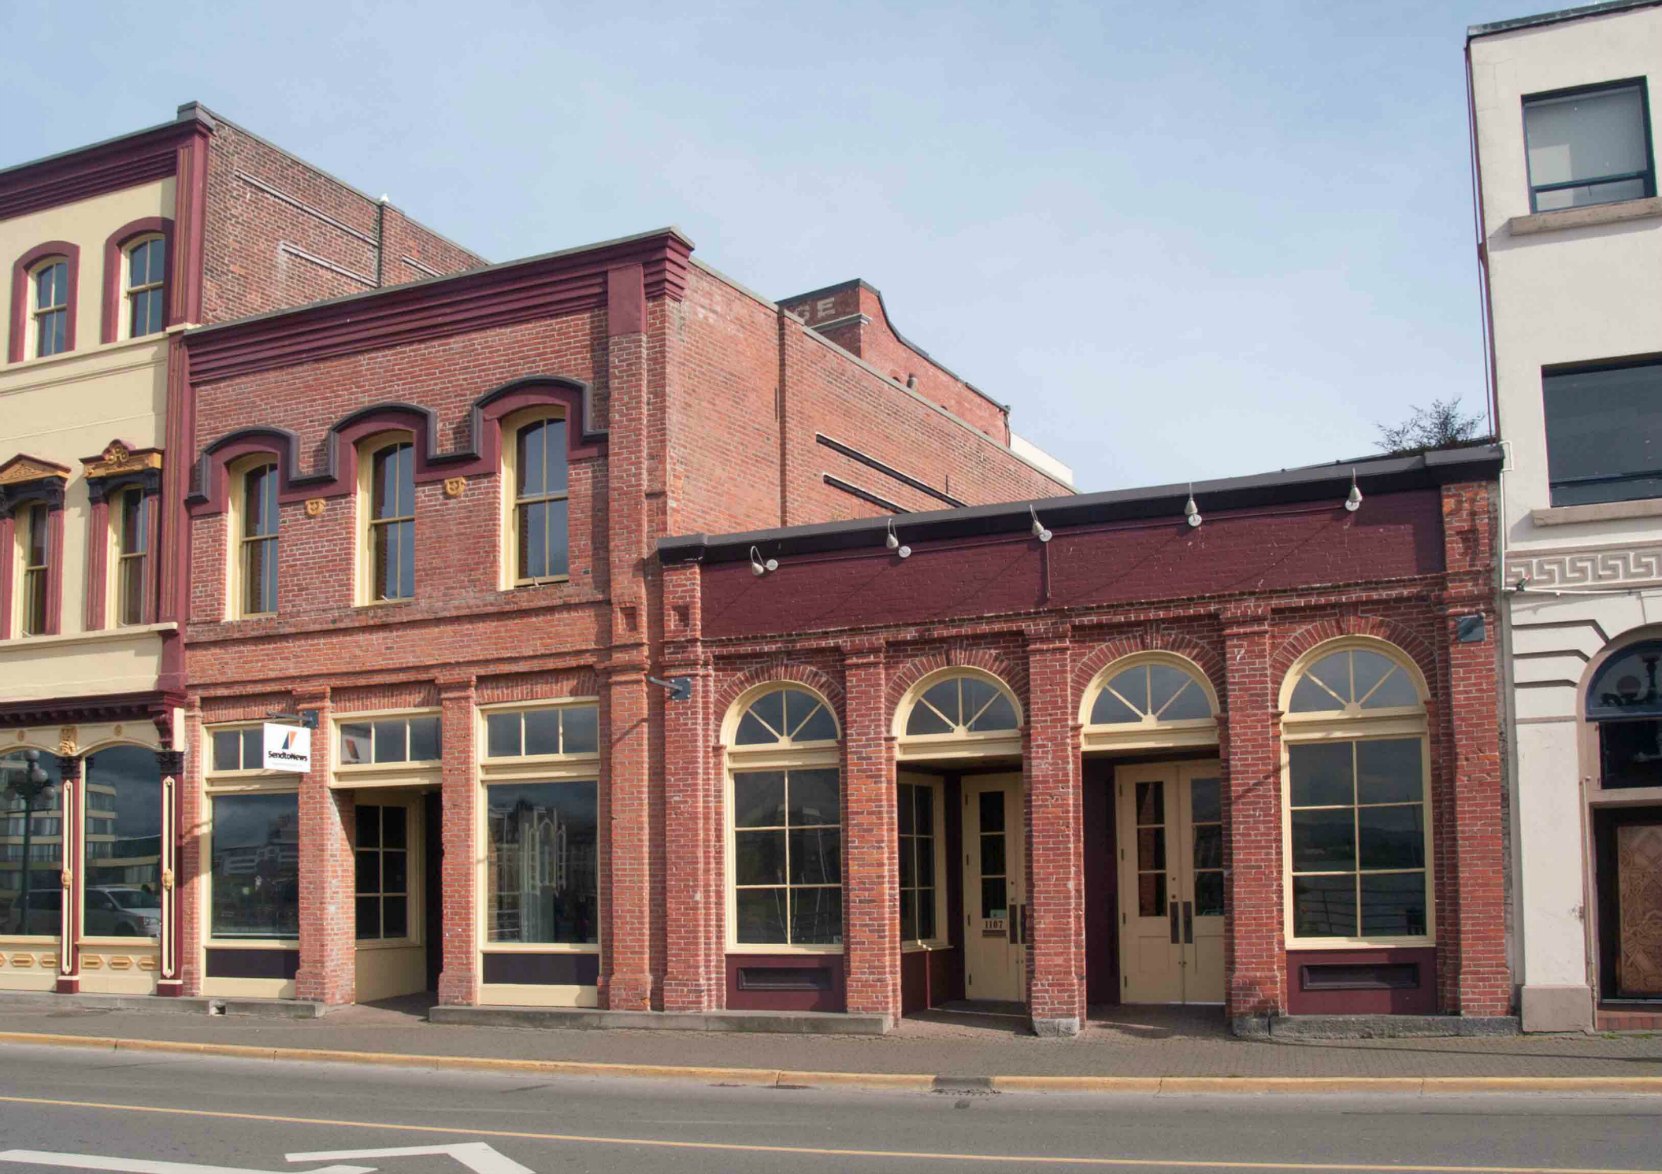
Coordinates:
<point>1353,501</point>
<point>1039,530</point>
<point>758,567</point>
<point>892,541</point>
<point>1191,512</point>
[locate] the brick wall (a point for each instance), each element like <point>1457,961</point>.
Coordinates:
<point>279,233</point>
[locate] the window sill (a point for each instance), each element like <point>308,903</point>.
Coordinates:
<point>1587,217</point>
<point>1306,945</point>
<point>252,943</point>
<point>804,951</point>
<point>1602,511</point>
<point>540,948</point>
<point>93,637</point>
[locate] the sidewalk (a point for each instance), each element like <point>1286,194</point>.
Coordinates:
<point>1140,1043</point>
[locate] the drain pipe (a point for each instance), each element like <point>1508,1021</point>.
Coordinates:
<point>380,240</point>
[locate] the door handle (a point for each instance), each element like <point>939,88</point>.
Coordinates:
<point>1023,908</point>
<point>1010,929</point>
<point>1188,923</point>
<point>1175,939</point>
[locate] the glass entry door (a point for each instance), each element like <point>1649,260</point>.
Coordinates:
<point>1170,820</point>
<point>995,889</point>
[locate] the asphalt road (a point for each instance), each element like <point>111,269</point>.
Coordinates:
<point>156,1114</point>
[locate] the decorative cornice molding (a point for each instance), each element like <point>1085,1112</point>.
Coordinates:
<point>118,458</point>
<point>1587,567</point>
<point>131,160</point>
<point>23,469</point>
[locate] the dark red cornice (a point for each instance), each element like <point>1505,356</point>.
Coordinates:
<point>88,710</point>
<point>518,291</point>
<point>120,163</point>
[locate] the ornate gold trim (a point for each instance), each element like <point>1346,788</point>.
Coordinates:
<point>118,458</point>
<point>24,468</point>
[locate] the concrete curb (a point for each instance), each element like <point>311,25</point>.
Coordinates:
<point>901,1081</point>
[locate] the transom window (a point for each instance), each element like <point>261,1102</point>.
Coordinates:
<point>785,717</point>
<point>132,533</point>
<point>1625,700</point>
<point>257,554</point>
<point>393,739</point>
<point>50,307</point>
<point>238,749</point>
<point>36,549</point>
<point>961,705</point>
<point>1150,699</point>
<point>564,729</point>
<point>392,522</point>
<point>1591,146</point>
<point>146,274</point>
<point>540,529</point>
<point>1358,818</point>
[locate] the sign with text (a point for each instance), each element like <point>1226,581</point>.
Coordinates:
<point>288,748</point>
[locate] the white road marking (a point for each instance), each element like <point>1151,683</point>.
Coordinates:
<point>144,1166</point>
<point>475,1155</point>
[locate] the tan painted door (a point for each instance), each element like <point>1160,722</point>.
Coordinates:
<point>995,887</point>
<point>1170,824</point>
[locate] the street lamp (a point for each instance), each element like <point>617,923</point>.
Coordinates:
<point>28,785</point>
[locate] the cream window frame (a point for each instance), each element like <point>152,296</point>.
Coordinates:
<point>1151,733</point>
<point>410,772</point>
<point>368,449</point>
<point>24,520</point>
<point>415,865</point>
<point>244,783</point>
<point>937,801</point>
<point>237,543</point>
<point>36,312</point>
<point>115,587</point>
<point>508,577</point>
<point>124,328</point>
<point>534,766</point>
<point>781,756</point>
<point>1353,725</point>
<point>962,742</point>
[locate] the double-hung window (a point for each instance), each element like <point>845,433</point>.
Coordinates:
<point>36,549</point>
<point>49,307</point>
<point>132,549</point>
<point>1589,146</point>
<point>540,517</point>
<point>257,553</point>
<point>392,523</point>
<point>146,279</point>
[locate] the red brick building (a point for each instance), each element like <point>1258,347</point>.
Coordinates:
<point>1234,747</point>
<point>425,519</point>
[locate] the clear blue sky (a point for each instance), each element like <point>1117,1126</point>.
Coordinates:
<point>1183,240</point>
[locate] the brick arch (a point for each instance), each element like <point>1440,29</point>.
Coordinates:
<point>1412,643</point>
<point>782,672</point>
<point>1102,655</point>
<point>1013,673</point>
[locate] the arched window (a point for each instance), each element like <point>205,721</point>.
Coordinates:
<point>389,514</point>
<point>784,822</point>
<point>1150,699</point>
<point>146,274</point>
<point>958,711</point>
<point>49,307</point>
<point>538,538</point>
<point>1358,824</point>
<point>1624,698</point>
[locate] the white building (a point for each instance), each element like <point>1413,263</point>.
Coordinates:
<point>1563,109</point>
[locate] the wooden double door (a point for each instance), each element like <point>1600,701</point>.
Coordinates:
<point>1169,818</point>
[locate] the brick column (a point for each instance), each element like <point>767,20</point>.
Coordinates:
<point>1054,815</point>
<point>191,877</point>
<point>1254,941</point>
<point>1474,977</point>
<point>328,921</point>
<point>693,930</point>
<point>459,976</point>
<point>871,841</point>
<point>626,977</point>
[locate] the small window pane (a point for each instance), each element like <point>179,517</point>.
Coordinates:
<point>926,914</point>
<point>391,743</point>
<point>369,917</point>
<point>990,810</point>
<point>943,695</point>
<point>1390,837</point>
<point>759,858</point>
<point>1110,710</point>
<point>502,735</point>
<point>393,834</point>
<point>253,748</point>
<point>924,720</point>
<point>1205,801</point>
<point>424,739</point>
<point>814,797</point>
<point>356,744</point>
<point>531,479</point>
<point>1151,803</point>
<point>579,729</point>
<point>759,799</point>
<point>994,896</point>
<point>227,750</point>
<point>1324,906</point>
<point>1332,671</point>
<point>908,870</point>
<point>1151,848</point>
<point>816,856</point>
<point>906,809</point>
<point>542,731</point>
<point>1397,691</point>
<point>752,732</point>
<point>816,917</point>
<point>999,715</point>
<point>908,915</point>
<point>819,726</point>
<point>1393,904</point>
<point>395,917</point>
<point>1164,682</point>
<point>368,879</point>
<point>1151,894</point>
<point>1208,894</point>
<point>1132,685</point>
<point>1389,771</point>
<point>992,854</point>
<point>1321,774</point>
<point>761,916</point>
<point>769,709</point>
<point>368,826</point>
<point>925,860</point>
<point>1324,840</point>
<point>395,870</point>
<point>1208,845</point>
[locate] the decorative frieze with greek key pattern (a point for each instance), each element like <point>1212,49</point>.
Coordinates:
<point>1600,567</point>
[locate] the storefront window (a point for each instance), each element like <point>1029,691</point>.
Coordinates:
<point>31,850</point>
<point>541,870</point>
<point>787,857</point>
<point>256,866</point>
<point>123,843</point>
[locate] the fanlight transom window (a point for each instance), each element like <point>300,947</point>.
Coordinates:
<point>1151,692</point>
<point>785,717</point>
<point>1626,685</point>
<point>1354,680</point>
<point>962,705</point>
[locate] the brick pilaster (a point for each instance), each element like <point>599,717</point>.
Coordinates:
<point>328,921</point>
<point>1254,936</point>
<point>459,798</point>
<point>1055,822</point>
<point>871,847</point>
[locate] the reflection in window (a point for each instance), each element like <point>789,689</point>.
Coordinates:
<point>1604,433</point>
<point>1206,837</point>
<point>256,866</point>
<point>915,803</point>
<point>382,887</point>
<point>562,729</point>
<point>394,739</point>
<point>787,857</point>
<point>1351,679</point>
<point>962,705</point>
<point>1152,692</point>
<point>1358,849</point>
<point>540,506</point>
<point>123,843</point>
<point>1591,147</point>
<point>541,863</point>
<point>31,848</point>
<point>785,717</point>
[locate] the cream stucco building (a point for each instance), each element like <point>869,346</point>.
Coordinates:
<point>1564,115</point>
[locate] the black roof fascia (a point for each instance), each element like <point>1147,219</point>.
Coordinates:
<point>1288,487</point>
<point>1558,17</point>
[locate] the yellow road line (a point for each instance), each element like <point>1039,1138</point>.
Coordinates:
<point>825,1151</point>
